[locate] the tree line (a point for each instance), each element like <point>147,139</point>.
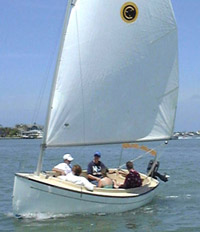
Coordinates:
<point>9,132</point>
<point>18,129</point>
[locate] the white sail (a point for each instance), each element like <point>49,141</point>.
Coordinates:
<point>117,78</point>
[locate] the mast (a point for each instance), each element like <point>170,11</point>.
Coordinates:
<point>70,4</point>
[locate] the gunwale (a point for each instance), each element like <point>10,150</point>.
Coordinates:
<point>149,184</point>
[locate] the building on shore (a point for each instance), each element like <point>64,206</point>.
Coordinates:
<point>22,131</point>
<point>32,134</point>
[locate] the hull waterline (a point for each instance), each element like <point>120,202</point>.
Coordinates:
<point>35,194</point>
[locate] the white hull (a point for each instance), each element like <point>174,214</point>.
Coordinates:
<point>33,194</point>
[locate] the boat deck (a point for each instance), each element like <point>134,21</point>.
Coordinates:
<point>49,178</point>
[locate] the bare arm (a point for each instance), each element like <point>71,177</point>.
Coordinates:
<point>123,173</point>
<point>91,177</point>
<point>59,171</point>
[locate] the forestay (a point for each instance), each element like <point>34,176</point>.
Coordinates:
<point>117,77</point>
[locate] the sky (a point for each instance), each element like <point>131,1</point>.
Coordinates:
<point>29,43</point>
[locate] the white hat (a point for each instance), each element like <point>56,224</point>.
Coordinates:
<point>67,157</point>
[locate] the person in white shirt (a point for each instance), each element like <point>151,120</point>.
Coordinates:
<point>75,178</point>
<point>64,168</point>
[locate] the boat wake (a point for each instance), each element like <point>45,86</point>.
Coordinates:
<point>46,216</point>
<point>172,197</point>
<point>39,216</point>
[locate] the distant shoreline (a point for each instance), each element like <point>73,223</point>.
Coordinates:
<point>7,138</point>
<point>10,137</point>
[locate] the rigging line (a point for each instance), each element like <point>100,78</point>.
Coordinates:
<point>120,158</point>
<point>140,156</point>
<point>40,96</point>
<point>46,75</point>
<point>81,75</point>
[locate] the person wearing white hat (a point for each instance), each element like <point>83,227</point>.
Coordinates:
<point>64,168</point>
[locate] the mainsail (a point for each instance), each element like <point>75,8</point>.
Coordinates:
<point>117,78</point>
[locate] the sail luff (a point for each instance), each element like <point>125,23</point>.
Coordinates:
<point>68,11</point>
<point>70,4</point>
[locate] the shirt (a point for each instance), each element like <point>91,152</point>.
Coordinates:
<point>95,169</point>
<point>132,180</point>
<point>64,167</point>
<point>80,180</point>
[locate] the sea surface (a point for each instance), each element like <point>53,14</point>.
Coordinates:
<point>175,208</point>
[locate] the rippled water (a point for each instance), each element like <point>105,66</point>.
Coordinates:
<point>176,207</point>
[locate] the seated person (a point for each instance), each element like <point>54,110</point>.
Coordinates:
<point>94,169</point>
<point>133,178</point>
<point>75,178</point>
<point>64,168</point>
<point>105,181</point>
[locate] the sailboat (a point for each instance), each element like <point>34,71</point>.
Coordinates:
<point>115,82</point>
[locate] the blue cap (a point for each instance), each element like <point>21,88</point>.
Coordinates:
<point>97,153</point>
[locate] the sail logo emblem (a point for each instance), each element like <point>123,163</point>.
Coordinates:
<point>129,12</point>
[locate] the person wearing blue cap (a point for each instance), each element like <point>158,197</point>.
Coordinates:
<point>94,169</point>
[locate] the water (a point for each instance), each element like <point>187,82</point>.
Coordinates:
<point>176,207</point>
